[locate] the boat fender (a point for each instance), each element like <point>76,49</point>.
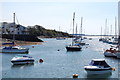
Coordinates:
<point>113,69</point>
<point>75,75</point>
<point>41,60</point>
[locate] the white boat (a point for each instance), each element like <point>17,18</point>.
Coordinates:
<point>14,49</point>
<point>22,60</point>
<point>98,66</point>
<point>110,53</point>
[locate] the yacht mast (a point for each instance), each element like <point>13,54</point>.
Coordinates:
<point>105,28</point>
<point>101,31</point>
<point>76,29</point>
<point>111,30</point>
<point>73,26</point>
<point>81,27</point>
<point>14,27</point>
<point>115,28</point>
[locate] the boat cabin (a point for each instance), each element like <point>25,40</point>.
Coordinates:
<point>99,62</point>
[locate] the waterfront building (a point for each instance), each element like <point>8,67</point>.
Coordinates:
<point>9,28</point>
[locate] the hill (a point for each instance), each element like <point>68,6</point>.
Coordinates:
<point>41,31</point>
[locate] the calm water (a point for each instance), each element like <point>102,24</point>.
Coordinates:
<point>58,64</point>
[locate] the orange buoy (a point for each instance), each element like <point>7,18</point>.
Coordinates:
<point>113,69</point>
<point>41,60</point>
<point>75,75</point>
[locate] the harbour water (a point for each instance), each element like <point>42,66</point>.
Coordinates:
<point>59,64</point>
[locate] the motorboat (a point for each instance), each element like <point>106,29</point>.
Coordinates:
<point>73,48</point>
<point>14,49</point>
<point>22,59</point>
<point>98,66</point>
<point>110,52</point>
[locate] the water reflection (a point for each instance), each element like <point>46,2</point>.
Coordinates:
<point>22,65</point>
<point>105,76</point>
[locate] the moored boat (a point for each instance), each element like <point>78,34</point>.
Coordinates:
<point>110,53</point>
<point>73,48</point>
<point>98,66</point>
<point>14,49</point>
<point>22,59</point>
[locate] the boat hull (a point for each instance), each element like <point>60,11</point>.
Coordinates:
<point>23,62</point>
<point>73,48</point>
<point>109,54</point>
<point>118,54</point>
<point>98,72</point>
<point>14,50</point>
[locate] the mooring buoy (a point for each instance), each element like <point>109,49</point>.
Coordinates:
<point>75,75</point>
<point>41,60</point>
<point>113,69</point>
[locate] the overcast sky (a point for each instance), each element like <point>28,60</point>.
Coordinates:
<point>52,14</point>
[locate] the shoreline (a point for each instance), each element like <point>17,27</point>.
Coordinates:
<point>21,43</point>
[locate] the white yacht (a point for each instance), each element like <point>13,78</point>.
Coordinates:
<point>98,66</point>
<point>19,59</point>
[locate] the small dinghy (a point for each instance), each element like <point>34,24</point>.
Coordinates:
<point>22,59</point>
<point>98,66</point>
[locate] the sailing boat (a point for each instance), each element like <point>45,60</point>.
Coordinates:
<point>101,39</point>
<point>113,52</point>
<point>13,48</point>
<point>80,42</point>
<point>118,53</point>
<point>73,47</point>
<point>60,38</point>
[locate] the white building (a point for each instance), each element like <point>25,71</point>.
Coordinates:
<point>9,28</point>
